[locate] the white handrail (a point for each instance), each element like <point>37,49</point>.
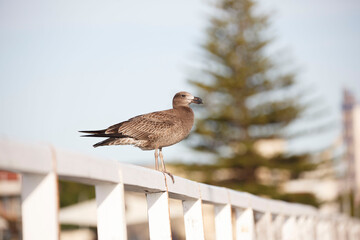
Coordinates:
<point>40,163</point>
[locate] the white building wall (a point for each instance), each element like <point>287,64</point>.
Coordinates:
<point>356,124</point>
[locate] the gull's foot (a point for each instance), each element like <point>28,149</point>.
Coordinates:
<point>170,175</point>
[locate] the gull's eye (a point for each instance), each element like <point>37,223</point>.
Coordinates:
<point>183,95</point>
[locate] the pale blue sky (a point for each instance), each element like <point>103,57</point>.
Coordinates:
<point>73,65</point>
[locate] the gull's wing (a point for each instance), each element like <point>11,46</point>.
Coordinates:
<point>145,126</point>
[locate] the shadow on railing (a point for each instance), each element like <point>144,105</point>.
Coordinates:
<point>40,167</point>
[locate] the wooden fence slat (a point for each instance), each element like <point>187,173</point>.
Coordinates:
<point>353,230</point>
<point>290,230</point>
<point>110,211</point>
<point>310,226</point>
<point>341,231</point>
<point>302,228</point>
<point>193,219</point>
<point>39,204</point>
<point>245,224</point>
<point>264,227</point>
<point>159,215</point>
<point>277,226</point>
<point>223,222</point>
<point>325,230</point>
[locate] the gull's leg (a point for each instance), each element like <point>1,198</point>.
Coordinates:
<point>156,159</point>
<point>163,165</point>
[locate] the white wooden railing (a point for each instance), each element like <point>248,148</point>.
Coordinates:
<point>255,217</point>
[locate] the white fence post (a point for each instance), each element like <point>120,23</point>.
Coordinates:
<point>39,197</point>
<point>306,228</point>
<point>357,229</point>
<point>264,227</point>
<point>223,222</point>
<point>290,230</point>
<point>159,215</point>
<point>302,228</point>
<point>353,230</point>
<point>110,211</point>
<point>341,230</point>
<point>332,229</point>
<point>323,230</point>
<point>349,232</point>
<point>310,229</point>
<point>245,224</point>
<point>277,226</point>
<point>320,229</point>
<point>193,219</point>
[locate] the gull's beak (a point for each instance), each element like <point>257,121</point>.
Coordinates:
<point>197,100</point>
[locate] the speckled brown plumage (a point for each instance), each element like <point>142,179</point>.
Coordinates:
<point>153,130</point>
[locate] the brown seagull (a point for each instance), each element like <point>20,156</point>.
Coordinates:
<point>153,130</point>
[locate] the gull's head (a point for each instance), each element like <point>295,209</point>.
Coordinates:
<point>184,99</point>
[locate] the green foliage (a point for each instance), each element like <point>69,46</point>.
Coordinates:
<point>247,98</point>
<point>72,193</point>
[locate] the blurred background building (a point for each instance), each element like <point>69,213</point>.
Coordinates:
<point>10,206</point>
<point>336,182</point>
<point>350,178</point>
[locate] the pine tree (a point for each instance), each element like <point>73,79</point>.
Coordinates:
<point>248,99</point>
